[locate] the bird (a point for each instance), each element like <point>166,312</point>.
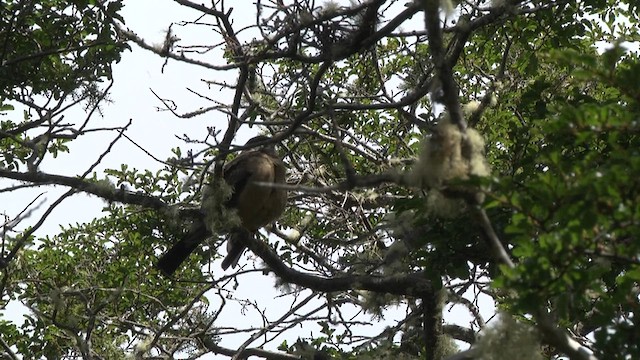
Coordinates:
<point>257,204</point>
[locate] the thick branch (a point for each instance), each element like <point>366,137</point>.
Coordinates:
<point>432,323</point>
<point>212,346</point>
<point>444,70</point>
<point>460,333</point>
<point>414,284</point>
<point>102,189</point>
<point>363,39</point>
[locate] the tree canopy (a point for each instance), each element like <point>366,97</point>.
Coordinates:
<point>437,151</point>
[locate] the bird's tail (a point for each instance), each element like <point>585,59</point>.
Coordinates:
<point>236,244</point>
<point>171,260</point>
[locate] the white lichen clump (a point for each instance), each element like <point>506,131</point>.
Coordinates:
<point>509,339</point>
<point>446,157</point>
<point>442,158</point>
<point>218,217</point>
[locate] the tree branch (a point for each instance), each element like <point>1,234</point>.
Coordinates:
<point>413,284</point>
<point>100,189</point>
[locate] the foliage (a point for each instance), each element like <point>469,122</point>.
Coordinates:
<point>54,54</point>
<point>56,47</point>
<point>353,98</point>
<point>572,224</point>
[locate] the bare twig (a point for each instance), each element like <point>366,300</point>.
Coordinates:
<point>238,355</point>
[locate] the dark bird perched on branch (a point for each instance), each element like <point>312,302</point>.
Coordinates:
<point>257,204</point>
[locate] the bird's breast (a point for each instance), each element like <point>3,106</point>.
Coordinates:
<point>259,204</point>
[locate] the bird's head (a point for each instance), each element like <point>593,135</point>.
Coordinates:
<point>261,143</point>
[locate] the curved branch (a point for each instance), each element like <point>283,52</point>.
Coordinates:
<point>460,333</point>
<point>413,284</point>
<point>551,332</point>
<point>362,39</point>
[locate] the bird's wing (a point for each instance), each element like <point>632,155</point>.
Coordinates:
<point>257,204</point>
<point>249,168</point>
<point>254,201</point>
<point>279,195</point>
<point>237,173</point>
